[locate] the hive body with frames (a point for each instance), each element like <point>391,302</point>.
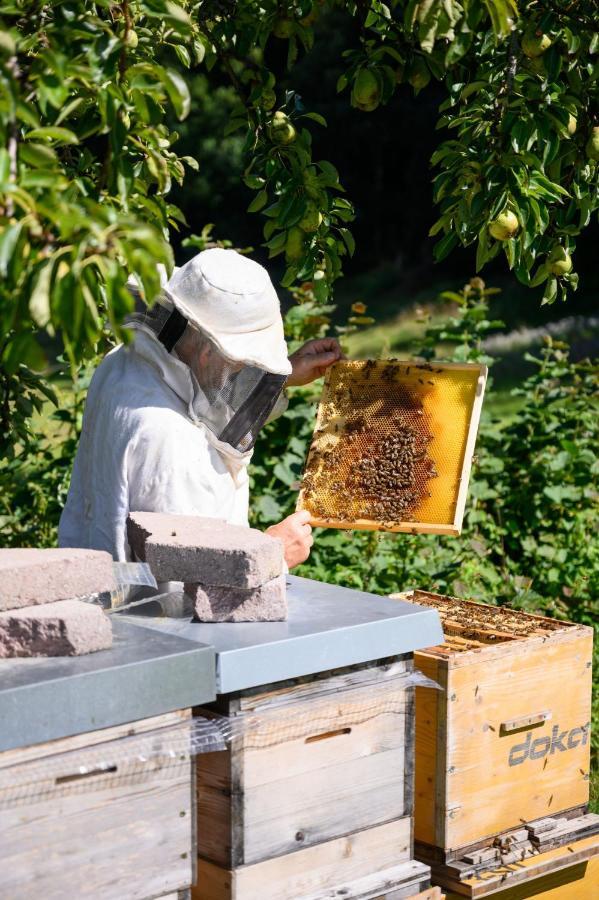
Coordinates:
<point>393,445</point>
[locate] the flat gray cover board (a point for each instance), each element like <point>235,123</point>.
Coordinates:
<point>328,627</point>
<point>144,674</point>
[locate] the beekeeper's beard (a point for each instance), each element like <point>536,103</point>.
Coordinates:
<point>216,379</point>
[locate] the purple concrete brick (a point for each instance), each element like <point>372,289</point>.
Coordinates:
<point>30,576</point>
<point>204,551</point>
<point>65,628</point>
<point>267,603</point>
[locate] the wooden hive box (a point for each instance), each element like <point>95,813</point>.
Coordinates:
<point>316,794</point>
<point>71,827</point>
<point>506,740</point>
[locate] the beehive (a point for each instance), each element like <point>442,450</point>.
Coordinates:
<point>122,828</point>
<point>393,445</point>
<point>314,799</point>
<point>507,739</point>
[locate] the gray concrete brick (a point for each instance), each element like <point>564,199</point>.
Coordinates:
<point>205,551</point>
<point>64,628</point>
<point>267,603</point>
<point>31,576</point>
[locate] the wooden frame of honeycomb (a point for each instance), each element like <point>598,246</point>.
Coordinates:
<point>392,446</point>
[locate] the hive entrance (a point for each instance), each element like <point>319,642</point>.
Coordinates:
<point>392,446</point>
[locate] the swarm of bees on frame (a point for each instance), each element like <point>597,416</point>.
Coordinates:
<point>369,458</point>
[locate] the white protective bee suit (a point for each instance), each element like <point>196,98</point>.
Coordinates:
<point>163,436</point>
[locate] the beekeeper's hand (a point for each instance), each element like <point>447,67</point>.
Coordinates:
<point>296,535</point>
<point>313,359</point>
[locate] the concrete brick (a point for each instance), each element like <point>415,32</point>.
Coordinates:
<point>267,603</point>
<point>30,576</point>
<point>65,628</point>
<point>205,551</point>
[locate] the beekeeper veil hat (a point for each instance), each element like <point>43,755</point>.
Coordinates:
<point>220,313</point>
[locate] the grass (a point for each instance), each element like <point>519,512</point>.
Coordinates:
<point>594,800</point>
<point>402,334</point>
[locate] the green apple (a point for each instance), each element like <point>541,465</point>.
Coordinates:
<point>267,98</point>
<point>283,28</point>
<point>130,39</point>
<point>535,43</point>
<point>281,130</point>
<point>366,92</point>
<point>559,261</point>
<point>311,219</point>
<point>294,245</point>
<point>505,226</point>
<point>592,146</point>
<point>419,74</point>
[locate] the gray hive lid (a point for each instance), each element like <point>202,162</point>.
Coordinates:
<point>144,674</point>
<point>328,627</point>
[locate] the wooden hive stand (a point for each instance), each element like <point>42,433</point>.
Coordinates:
<point>314,800</point>
<point>568,872</point>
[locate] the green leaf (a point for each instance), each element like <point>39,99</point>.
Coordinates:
<point>39,300</point>
<point>541,276</point>
<point>37,155</point>
<point>178,93</point>
<point>53,133</point>
<point>444,247</point>
<point>268,508</point>
<point>68,109</point>
<point>503,15</point>
<point>4,165</point>
<point>559,493</point>
<point>8,241</point>
<point>23,349</point>
<point>183,55</point>
<point>550,292</point>
<point>452,296</point>
<point>316,117</point>
<point>7,43</point>
<point>510,252</point>
<point>348,240</point>
<point>259,201</point>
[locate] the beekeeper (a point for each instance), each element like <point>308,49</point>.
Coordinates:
<point>171,419</point>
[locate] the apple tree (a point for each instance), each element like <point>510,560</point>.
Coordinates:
<point>90,92</point>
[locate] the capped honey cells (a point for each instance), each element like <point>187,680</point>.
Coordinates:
<point>392,445</point>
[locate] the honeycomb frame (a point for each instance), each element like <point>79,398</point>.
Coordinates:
<point>382,450</point>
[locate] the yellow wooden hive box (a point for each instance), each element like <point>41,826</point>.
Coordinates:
<point>507,738</point>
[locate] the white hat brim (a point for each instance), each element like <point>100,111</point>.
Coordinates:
<point>264,348</point>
